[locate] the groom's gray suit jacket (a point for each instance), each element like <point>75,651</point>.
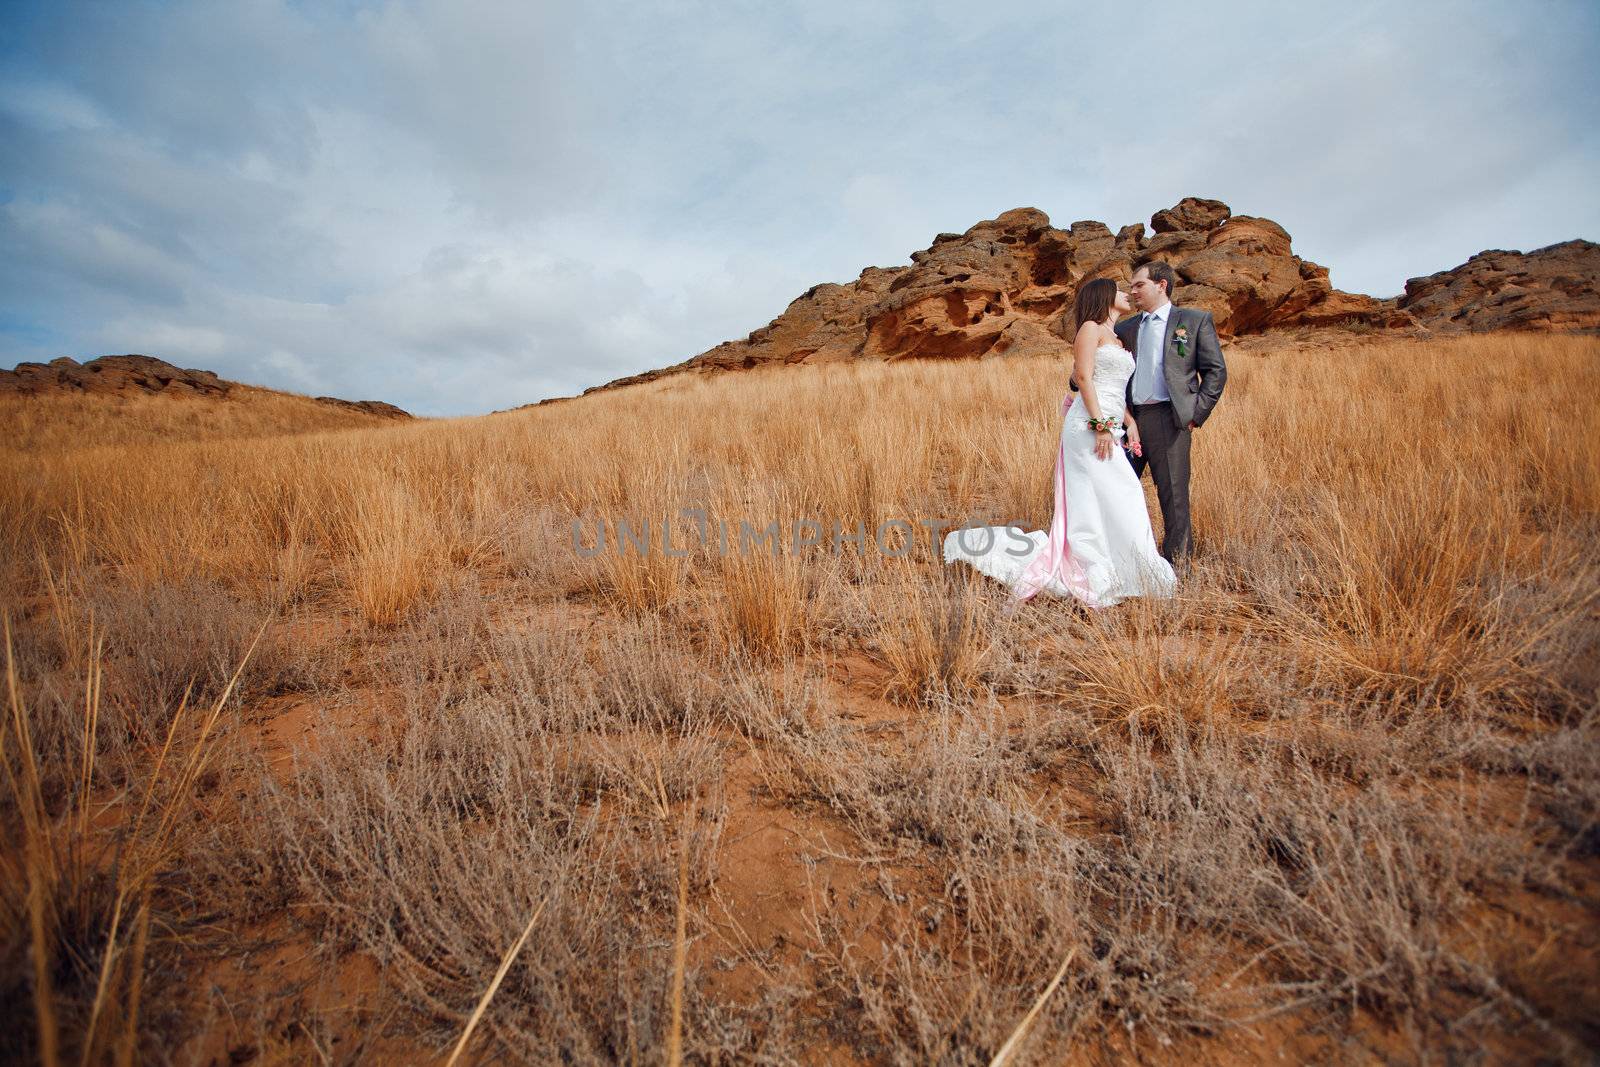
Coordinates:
<point>1196,374</point>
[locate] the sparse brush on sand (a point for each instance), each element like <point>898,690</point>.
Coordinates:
<point>334,748</point>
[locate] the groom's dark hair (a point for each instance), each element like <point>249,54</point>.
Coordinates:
<point>1160,271</point>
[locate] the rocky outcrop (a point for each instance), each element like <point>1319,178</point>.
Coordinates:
<point>134,374</point>
<point>1243,270</point>
<point>110,374</point>
<point>370,407</point>
<point>1004,286</point>
<point>1551,288</point>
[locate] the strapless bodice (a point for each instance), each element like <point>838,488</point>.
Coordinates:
<point>1113,366</point>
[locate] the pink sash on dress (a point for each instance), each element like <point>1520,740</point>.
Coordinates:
<point>1055,559</point>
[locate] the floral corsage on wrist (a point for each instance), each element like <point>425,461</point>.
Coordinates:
<point>1104,425</point>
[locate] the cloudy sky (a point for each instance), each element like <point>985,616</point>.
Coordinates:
<point>461,205</point>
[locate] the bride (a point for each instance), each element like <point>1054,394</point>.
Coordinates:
<point>1099,548</point>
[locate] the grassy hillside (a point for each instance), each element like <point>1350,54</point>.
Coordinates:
<point>1336,802</point>
<point>54,423</point>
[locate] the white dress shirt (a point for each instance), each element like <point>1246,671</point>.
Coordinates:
<point>1149,377</point>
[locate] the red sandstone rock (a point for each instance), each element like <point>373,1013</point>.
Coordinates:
<point>1190,213</point>
<point>132,374</point>
<point>1551,288</point>
<point>370,407</point>
<point>110,374</point>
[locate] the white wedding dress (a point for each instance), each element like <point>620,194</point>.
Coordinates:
<point>1100,547</point>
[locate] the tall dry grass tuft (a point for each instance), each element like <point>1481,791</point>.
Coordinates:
<point>394,555</point>
<point>1426,596</point>
<point>85,887</point>
<point>935,636</point>
<point>640,577</point>
<point>1167,665</point>
<point>762,600</point>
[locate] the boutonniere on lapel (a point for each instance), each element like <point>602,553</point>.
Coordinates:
<point>1181,337</point>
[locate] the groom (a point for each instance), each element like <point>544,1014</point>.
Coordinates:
<point>1177,380</point>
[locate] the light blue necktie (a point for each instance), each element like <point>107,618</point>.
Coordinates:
<point>1145,371</point>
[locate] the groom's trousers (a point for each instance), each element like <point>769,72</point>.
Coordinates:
<point>1166,453</point>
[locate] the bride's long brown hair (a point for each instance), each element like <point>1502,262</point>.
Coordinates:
<point>1094,301</point>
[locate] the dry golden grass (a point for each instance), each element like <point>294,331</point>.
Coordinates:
<point>1339,794</point>
<point>70,873</point>
<point>51,424</point>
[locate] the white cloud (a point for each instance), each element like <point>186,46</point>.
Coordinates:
<point>292,368</point>
<point>192,342</point>
<point>49,106</point>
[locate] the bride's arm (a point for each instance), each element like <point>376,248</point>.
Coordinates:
<point>1083,347</point>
